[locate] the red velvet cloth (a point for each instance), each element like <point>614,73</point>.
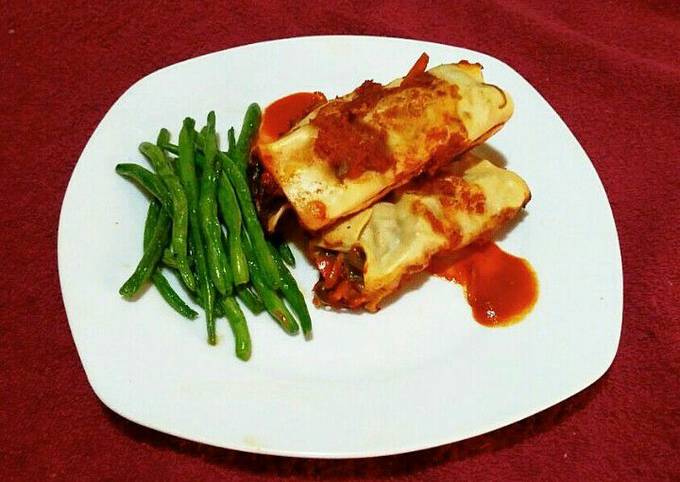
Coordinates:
<point>612,71</point>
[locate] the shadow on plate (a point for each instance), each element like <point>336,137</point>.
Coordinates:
<point>388,466</point>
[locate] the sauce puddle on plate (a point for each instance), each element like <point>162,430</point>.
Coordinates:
<point>284,113</point>
<point>500,288</point>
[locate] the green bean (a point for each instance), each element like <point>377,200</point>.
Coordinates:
<point>168,256</point>
<point>250,299</point>
<point>239,327</point>
<point>150,258</point>
<point>169,259</point>
<point>291,292</point>
<point>219,310</point>
<point>205,296</point>
<point>231,214</point>
<point>200,162</point>
<point>231,141</point>
<point>262,255</point>
<point>286,254</point>
<point>171,148</point>
<point>148,181</point>
<point>196,139</point>
<point>159,281</point>
<point>251,123</point>
<point>179,209</point>
<point>165,144</point>
<point>171,296</point>
<point>200,138</point>
<point>152,214</point>
<point>185,162</point>
<point>199,158</point>
<point>218,265</point>
<point>272,303</point>
<point>163,138</point>
<point>186,170</point>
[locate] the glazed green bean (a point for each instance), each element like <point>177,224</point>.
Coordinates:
<point>231,139</point>
<point>150,258</point>
<point>163,138</point>
<point>218,265</point>
<point>180,216</point>
<point>200,137</point>
<point>291,292</point>
<point>159,281</point>
<point>205,296</point>
<point>239,327</point>
<point>148,181</point>
<point>186,170</point>
<point>263,257</point>
<point>169,258</point>
<point>199,160</point>
<point>196,142</point>
<point>171,297</point>
<point>171,148</point>
<point>251,124</point>
<point>187,175</point>
<point>250,299</point>
<point>231,214</point>
<point>272,303</point>
<point>285,253</point>
<point>152,213</point>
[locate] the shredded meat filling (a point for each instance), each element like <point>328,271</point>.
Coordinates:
<point>342,278</point>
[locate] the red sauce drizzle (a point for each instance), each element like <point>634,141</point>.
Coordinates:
<point>351,146</point>
<point>281,115</point>
<point>500,288</point>
<point>348,144</point>
<point>451,190</point>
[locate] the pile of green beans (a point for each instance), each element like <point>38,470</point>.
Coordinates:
<point>201,223</point>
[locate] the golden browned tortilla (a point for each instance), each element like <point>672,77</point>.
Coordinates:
<point>417,125</point>
<point>466,201</point>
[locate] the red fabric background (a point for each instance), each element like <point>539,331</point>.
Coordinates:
<point>612,71</point>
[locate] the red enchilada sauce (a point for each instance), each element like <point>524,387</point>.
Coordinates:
<point>499,287</point>
<point>350,145</point>
<point>282,114</point>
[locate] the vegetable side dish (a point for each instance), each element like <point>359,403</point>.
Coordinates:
<point>202,223</point>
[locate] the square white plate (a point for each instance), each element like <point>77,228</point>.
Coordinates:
<point>419,373</point>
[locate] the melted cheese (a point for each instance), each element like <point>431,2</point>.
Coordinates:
<point>425,125</point>
<point>471,200</point>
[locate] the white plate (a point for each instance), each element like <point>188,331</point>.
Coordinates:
<point>421,372</point>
